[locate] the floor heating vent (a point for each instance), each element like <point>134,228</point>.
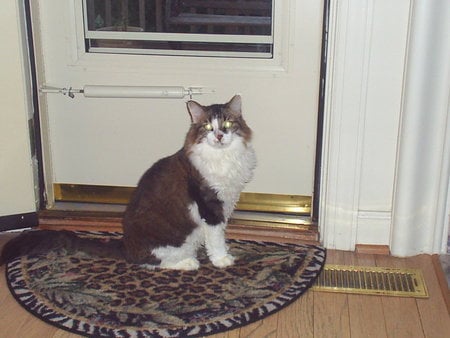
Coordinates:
<point>372,281</point>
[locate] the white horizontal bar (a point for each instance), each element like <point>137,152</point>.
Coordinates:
<point>187,37</point>
<point>262,55</point>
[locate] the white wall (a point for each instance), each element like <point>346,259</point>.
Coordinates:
<point>387,120</point>
<point>419,211</point>
<point>16,175</point>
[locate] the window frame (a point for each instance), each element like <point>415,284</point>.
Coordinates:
<point>179,37</point>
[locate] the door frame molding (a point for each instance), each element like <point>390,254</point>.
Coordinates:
<point>347,69</point>
<point>417,221</point>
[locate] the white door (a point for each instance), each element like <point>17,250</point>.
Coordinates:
<point>17,192</point>
<point>111,141</point>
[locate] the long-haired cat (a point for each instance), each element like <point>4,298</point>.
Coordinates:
<point>181,203</point>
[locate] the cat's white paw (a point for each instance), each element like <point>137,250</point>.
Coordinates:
<point>149,266</point>
<point>185,264</point>
<point>223,262</point>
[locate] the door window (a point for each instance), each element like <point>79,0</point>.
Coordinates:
<point>237,28</point>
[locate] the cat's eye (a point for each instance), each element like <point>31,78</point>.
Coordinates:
<point>227,124</point>
<point>208,126</point>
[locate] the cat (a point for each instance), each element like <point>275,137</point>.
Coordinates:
<point>182,202</point>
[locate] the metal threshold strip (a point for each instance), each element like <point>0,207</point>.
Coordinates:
<point>377,281</point>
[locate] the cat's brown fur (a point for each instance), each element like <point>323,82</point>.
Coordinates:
<point>151,202</point>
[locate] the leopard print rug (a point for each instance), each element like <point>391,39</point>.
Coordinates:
<point>100,297</point>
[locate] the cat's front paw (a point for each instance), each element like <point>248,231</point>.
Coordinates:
<point>223,262</point>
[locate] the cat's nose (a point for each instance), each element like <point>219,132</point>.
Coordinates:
<point>219,137</point>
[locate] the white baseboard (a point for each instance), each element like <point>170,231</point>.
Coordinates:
<point>373,227</point>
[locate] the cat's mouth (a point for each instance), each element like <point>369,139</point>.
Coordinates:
<point>220,143</point>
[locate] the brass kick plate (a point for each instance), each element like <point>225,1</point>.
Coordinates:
<point>259,202</point>
<point>372,281</point>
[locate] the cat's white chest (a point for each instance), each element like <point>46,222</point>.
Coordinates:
<point>226,170</point>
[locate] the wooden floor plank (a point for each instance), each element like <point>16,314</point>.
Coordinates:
<point>433,311</point>
<point>332,309</point>
<point>366,312</point>
<point>266,328</point>
<point>298,318</point>
<point>401,314</point>
<point>229,334</point>
<point>442,278</point>
<point>331,316</point>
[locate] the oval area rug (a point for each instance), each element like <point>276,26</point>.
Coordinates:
<point>101,297</point>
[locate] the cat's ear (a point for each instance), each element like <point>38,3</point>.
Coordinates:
<point>235,105</point>
<point>196,111</point>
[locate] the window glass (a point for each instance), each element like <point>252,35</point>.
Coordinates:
<point>240,28</point>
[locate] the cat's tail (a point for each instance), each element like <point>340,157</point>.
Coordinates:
<point>41,241</point>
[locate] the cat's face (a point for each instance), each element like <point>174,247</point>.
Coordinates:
<point>217,125</point>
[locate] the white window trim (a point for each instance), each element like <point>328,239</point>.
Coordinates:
<point>277,64</point>
<point>185,37</point>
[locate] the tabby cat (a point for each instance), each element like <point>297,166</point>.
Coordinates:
<point>181,203</point>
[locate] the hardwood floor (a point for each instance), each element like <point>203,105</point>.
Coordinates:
<point>315,314</point>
